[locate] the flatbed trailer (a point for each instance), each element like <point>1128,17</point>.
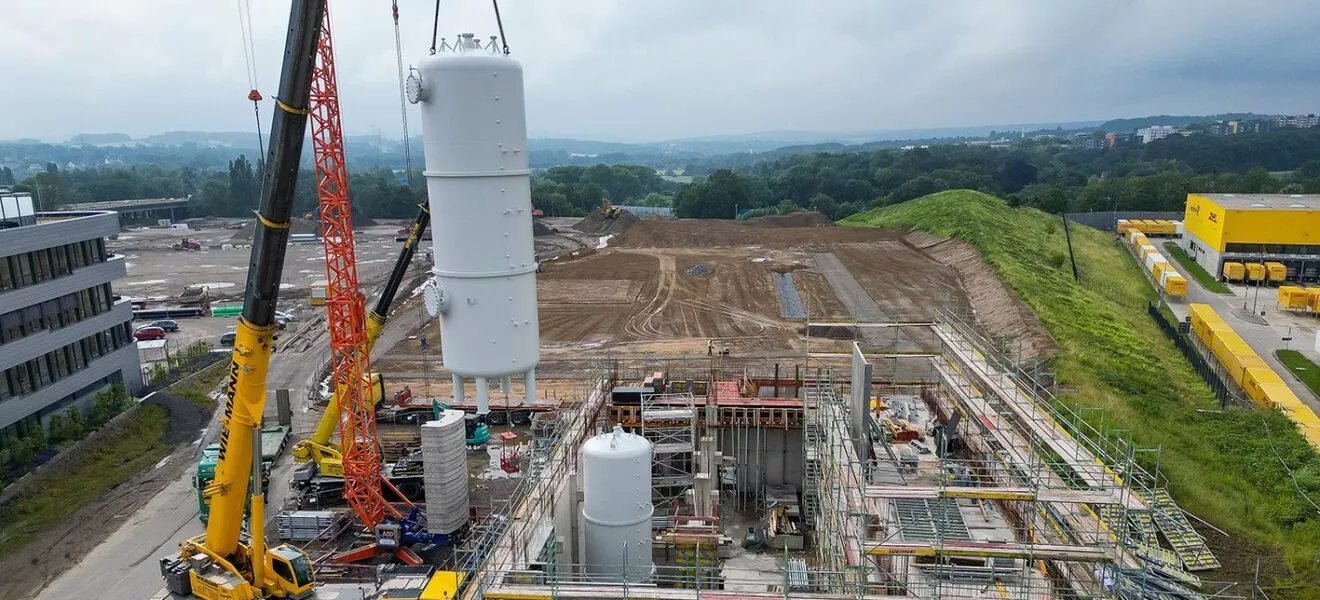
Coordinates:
<point>274,439</point>
<point>168,312</point>
<point>503,414</point>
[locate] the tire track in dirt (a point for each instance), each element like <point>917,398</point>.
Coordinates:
<point>642,323</point>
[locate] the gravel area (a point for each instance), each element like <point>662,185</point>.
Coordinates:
<point>789,299</point>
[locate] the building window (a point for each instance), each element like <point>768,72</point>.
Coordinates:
<point>60,259</point>
<point>22,263</point>
<point>21,375</point>
<point>59,364</point>
<point>11,326</point>
<point>77,350</point>
<point>7,281</point>
<point>40,372</point>
<point>78,254</point>
<point>41,262</point>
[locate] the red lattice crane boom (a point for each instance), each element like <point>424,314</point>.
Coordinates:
<point>345,312</point>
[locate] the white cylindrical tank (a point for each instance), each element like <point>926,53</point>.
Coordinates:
<point>444,473</point>
<point>616,505</point>
<point>479,187</point>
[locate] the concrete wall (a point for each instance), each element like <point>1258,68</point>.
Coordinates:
<point>765,456</point>
<point>1204,255</point>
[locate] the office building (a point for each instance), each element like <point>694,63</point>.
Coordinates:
<point>1255,228</point>
<point>63,335</point>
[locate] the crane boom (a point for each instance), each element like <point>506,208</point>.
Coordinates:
<point>245,390</point>
<point>317,447</point>
<point>218,565</point>
<point>345,309</point>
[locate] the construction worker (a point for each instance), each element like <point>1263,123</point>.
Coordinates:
<point>710,347</point>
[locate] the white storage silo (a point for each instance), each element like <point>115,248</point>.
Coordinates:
<point>479,187</point>
<point>616,505</point>
<point>444,473</point>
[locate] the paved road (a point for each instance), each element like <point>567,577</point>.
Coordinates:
<point>862,306</point>
<point>1263,334</point>
<point>125,567</point>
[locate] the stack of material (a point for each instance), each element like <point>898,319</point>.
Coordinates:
<point>444,461</point>
<point>304,525</point>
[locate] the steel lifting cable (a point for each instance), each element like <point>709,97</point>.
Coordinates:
<point>498,23</point>
<point>403,101</point>
<point>250,62</point>
<point>435,25</point>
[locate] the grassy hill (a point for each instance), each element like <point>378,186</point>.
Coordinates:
<point>1224,466</point>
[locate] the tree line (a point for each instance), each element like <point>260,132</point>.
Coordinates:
<point>232,192</point>
<point>1046,173</point>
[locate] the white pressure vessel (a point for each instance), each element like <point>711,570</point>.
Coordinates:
<point>479,186</point>
<point>616,506</point>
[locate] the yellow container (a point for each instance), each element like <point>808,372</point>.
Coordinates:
<point>1162,227</point>
<point>1234,271</point>
<point>1292,297</point>
<point>1255,272</point>
<point>1280,396</point>
<point>1226,346</point>
<point>1205,322</point>
<point>1136,239</point>
<point>1255,383</point>
<point>1160,269</point>
<point>1313,299</point>
<point>1240,363</point>
<point>1123,226</point>
<point>1276,271</point>
<point>317,293</point>
<point>1146,250</point>
<point>1175,285</point>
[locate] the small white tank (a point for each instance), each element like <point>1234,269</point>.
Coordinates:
<point>444,473</point>
<point>616,507</point>
<point>474,131</point>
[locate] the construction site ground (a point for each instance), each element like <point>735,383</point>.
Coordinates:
<point>661,289</point>
<point>665,288</point>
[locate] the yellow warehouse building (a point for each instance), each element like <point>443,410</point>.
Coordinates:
<point>1255,229</point>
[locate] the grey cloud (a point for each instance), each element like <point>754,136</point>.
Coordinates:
<point>656,69</point>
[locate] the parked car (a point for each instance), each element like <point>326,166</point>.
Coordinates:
<point>149,333</point>
<point>169,325</point>
<point>228,339</point>
<point>285,316</point>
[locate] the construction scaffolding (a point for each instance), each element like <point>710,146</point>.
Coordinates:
<point>1020,497</point>
<point>669,422</point>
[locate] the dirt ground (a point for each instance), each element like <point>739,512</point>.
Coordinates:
<point>666,287</point>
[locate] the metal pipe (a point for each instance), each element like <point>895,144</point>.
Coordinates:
<point>459,392</point>
<point>483,396</point>
<point>529,385</point>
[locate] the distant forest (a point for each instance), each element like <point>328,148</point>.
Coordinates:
<point>1044,173</point>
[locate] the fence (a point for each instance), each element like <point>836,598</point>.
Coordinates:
<point>1107,220</point>
<point>1207,371</point>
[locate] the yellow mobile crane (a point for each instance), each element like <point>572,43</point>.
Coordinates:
<point>218,565</point>
<point>317,449</point>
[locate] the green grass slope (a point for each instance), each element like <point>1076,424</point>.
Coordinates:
<point>1220,465</point>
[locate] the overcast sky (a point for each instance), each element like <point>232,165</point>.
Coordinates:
<point>634,70</point>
